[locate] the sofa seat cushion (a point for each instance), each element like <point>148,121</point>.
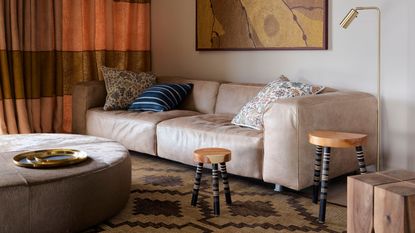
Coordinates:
<point>135,130</point>
<point>178,138</point>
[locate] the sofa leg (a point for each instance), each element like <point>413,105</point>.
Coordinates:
<point>278,188</point>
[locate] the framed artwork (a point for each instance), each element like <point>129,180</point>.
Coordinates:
<point>261,24</point>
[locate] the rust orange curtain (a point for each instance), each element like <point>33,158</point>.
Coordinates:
<point>47,46</point>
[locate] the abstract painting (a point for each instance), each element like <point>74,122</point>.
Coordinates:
<point>261,24</point>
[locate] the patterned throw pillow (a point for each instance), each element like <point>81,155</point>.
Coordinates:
<point>161,97</point>
<point>124,86</point>
<point>251,114</point>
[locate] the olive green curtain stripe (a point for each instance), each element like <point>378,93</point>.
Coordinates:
<point>59,74</point>
<point>47,64</point>
<point>72,70</point>
<point>84,66</point>
<point>53,73</point>
<point>34,75</point>
<point>5,76</point>
<point>90,66</point>
<point>12,81</point>
<point>1,97</point>
<point>18,80</point>
<point>134,61</point>
<point>78,67</point>
<point>43,73</point>
<point>27,70</point>
<point>40,74</point>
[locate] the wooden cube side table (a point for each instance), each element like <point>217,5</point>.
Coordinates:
<point>360,192</point>
<point>394,208</point>
<point>361,197</point>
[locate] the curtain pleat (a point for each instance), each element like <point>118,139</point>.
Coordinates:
<point>48,46</point>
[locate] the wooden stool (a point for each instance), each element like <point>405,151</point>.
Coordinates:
<point>213,156</point>
<point>324,141</point>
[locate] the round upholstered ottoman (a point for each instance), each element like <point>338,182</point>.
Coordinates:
<point>68,199</point>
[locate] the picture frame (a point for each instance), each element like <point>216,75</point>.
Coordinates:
<point>261,25</point>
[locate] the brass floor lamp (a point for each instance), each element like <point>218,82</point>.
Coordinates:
<point>353,13</point>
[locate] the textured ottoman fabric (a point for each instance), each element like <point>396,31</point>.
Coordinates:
<point>68,199</point>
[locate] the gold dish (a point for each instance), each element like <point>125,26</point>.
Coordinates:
<point>49,158</point>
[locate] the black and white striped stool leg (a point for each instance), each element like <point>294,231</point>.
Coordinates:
<point>361,159</point>
<point>324,183</point>
<point>196,186</point>
<point>215,188</point>
<point>225,181</point>
<point>317,169</point>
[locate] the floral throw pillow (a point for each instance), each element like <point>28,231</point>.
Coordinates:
<point>251,114</point>
<point>124,86</point>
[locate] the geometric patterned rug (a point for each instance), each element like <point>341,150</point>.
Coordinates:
<point>160,202</point>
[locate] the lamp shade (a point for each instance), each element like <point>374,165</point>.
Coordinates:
<point>349,18</point>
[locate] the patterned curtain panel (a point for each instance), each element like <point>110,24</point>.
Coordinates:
<point>48,46</point>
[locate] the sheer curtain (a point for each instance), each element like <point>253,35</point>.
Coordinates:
<point>48,46</point>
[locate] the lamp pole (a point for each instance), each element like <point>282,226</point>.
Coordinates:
<point>345,24</point>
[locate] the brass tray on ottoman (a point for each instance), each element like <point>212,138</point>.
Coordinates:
<point>49,158</point>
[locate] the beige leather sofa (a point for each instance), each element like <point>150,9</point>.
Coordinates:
<point>280,154</point>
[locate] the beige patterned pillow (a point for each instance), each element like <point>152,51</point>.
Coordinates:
<point>124,86</point>
<point>251,114</point>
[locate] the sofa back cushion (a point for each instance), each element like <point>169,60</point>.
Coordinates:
<point>232,96</point>
<point>203,97</point>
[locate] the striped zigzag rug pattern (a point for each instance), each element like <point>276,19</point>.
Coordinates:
<point>160,202</point>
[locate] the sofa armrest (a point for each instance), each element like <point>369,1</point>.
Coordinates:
<point>288,156</point>
<point>86,95</point>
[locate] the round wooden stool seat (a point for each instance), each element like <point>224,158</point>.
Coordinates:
<point>212,155</point>
<point>336,139</point>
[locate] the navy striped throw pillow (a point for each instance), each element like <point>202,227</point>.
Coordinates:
<point>161,97</point>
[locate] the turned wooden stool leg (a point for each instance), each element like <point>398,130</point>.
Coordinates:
<point>196,186</point>
<point>225,181</point>
<point>361,159</point>
<point>324,184</point>
<point>215,188</point>
<point>317,169</point>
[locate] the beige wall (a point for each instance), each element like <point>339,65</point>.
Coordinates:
<point>350,63</point>
<point>411,92</point>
